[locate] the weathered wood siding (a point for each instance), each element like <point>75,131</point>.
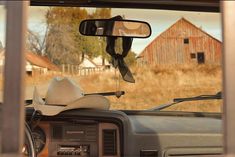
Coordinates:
<point>169,47</point>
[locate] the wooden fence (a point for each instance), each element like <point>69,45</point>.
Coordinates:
<point>82,71</point>
<point>68,70</point>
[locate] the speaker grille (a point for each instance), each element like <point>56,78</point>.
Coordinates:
<point>109,142</point>
<point>57,132</point>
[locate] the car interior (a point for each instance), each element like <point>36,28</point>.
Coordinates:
<point>69,121</point>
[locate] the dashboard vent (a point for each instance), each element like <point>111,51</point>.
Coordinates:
<point>91,133</point>
<point>109,142</point>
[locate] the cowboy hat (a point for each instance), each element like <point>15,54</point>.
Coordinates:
<point>63,94</point>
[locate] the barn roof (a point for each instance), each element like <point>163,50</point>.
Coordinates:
<point>193,25</point>
<point>184,20</point>
<point>40,61</point>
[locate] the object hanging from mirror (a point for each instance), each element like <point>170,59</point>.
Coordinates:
<point>115,28</point>
<point>118,57</point>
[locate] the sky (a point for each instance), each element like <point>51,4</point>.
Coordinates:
<point>159,20</point>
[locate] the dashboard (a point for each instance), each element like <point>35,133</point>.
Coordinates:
<point>75,135</point>
<point>102,133</point>
<point>80,139</point>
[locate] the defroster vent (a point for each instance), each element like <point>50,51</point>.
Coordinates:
<point>109,142</point>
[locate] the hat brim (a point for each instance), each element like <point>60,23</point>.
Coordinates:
<point>91,102</point>
<point>88,102</point>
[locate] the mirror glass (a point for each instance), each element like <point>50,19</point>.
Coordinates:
<point>117,28</point>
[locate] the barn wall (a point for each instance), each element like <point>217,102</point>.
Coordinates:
<point>169,47</point>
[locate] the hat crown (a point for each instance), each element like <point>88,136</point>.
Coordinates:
<point>62,91</point>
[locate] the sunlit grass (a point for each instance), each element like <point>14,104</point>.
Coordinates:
<point>159,85</point>
<point>154,86</point>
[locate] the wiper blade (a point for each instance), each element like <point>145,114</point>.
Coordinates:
<point>179,100</point>
<point>200,97</point>
<point>118,94</point>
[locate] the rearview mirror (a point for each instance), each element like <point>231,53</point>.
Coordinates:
<point>116,28</point>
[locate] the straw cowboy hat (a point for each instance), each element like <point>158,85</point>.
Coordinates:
<point>63,94</point>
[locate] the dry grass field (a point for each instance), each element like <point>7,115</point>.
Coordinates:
<point>154,86</point>
<point>159,85</point>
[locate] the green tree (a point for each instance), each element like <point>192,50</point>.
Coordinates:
<point>101,13</point>
<point>64,43</point>
<point>130,58</point>
<point>35,43</point>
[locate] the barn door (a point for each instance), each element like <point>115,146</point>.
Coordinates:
<point>200,58</point>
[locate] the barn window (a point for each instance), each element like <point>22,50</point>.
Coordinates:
<point>193,55</point>
<point>200,57</point>
<point>29,73</point>
<point>186,40</point>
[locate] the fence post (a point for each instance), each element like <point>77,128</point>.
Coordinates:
<point>63,70</point>
<point>78,71</point>
<point>72,70</point>
<point>69,70</point>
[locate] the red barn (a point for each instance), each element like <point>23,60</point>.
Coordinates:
<point>182,43</point>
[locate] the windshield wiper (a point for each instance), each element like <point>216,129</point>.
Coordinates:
<point>118,94</point>
<point>179,100</point>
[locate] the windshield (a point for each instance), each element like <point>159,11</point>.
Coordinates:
<point>181,58</point>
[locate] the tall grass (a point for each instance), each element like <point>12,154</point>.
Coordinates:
<point>154,86</point>
<point>159,85</point>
